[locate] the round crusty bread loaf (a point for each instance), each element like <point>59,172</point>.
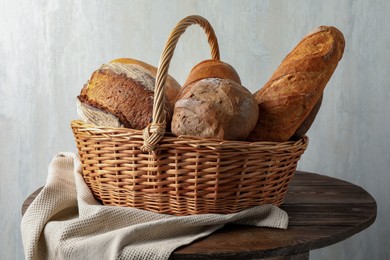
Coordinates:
<point>212,69</point>
<point>121,93</point>
<point>215,108</point>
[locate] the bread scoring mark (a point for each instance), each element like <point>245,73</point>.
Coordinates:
<point>132,71</point>
<point>212,90</point>
<point>291,84</point>
<point>319,43</point>
<point>92,115</point>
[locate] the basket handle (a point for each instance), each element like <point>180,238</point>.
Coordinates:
<point>155,131</point>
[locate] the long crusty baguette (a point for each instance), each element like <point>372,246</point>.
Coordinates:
<point>296,86</point>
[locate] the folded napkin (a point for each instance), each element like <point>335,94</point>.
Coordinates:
<point>66,222</point>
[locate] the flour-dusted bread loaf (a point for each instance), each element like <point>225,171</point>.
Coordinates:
<point>215,108</point>
<point>214,104</point>
<point>121,93</point>
<point>296,86</point>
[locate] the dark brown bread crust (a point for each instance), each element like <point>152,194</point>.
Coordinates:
<point>123,97</point>
<point>125,89</point>
<point>306,124</point>
<point>172,87</point>
<point>296,86</point>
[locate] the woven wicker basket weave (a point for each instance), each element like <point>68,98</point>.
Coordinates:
<point>184,175</point>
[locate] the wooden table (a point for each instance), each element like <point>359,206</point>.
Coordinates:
<point>322,211</point>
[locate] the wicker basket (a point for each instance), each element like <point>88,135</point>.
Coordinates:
<point>184,175</point>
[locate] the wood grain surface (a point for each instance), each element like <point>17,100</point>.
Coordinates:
<point>322,211</point>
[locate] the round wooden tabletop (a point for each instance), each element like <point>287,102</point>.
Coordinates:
<point>322,211</point>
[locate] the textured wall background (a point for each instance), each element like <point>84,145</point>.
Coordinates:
<point>48,49</point>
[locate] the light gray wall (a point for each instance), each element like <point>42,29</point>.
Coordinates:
<point>48,49</point>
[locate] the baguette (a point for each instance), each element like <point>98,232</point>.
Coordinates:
<point>297,85</point>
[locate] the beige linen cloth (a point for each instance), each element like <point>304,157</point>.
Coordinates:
<point>66,222</point>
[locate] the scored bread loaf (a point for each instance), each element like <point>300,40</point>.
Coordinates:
<point>297,85</point>
<point>214,104</point>
<point>121,93</point>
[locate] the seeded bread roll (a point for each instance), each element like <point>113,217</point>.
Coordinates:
<point>121,92</point>
<point>215,108</point>
<point>296,86</point>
